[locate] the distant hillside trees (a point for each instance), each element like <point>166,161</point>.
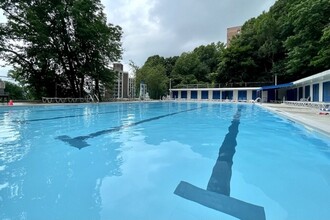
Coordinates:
<point>59,44</point>
<point>290,41</point>
<point>16,92</point>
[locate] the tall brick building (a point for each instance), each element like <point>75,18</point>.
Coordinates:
<point>124,86</point>
<point>231,32</point>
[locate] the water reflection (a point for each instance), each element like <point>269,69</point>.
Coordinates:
<point>41,178</point>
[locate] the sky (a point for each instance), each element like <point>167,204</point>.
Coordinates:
<point>171,27</point>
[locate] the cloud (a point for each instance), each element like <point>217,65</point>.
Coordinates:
<point>168,28</point>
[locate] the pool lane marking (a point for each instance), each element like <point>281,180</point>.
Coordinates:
<point>217,194</point>
<point>80,141</point>
<point>61,117</point>
<point>221,174</point>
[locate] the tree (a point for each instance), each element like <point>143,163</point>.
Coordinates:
<point>60,43</point>
<point>322,59</point>
<point>15,92</point>
<point>197,66</point>
<point>310,19</point>
<point>153,73</point>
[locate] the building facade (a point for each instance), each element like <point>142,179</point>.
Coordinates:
<point>315,88</point>
<point>231,32</point>
<point>124,86</point>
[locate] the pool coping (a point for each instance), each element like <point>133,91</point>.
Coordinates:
<point>308,117</point>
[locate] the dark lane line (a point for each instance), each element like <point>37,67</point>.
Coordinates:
<point>217,194</point>
<point>221,175</point>
<point>80,141</point>
<point>69,116</point>
<point>61,117</point>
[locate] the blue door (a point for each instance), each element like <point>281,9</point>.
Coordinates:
<point>300,93</point>
<point>242,95</point>
<point>193,94</point>
<point>183,94</point>
<point>216,95</point>
<point>254,94</point>
<point>307,91</point>
<point>291,94</point>
<point>175,94</point>
<point>326,91</point>
<point>205,94</point>
<point>227,95</point>
<point>316,88</point>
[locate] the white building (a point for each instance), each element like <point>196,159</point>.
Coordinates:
<point>315,88</point>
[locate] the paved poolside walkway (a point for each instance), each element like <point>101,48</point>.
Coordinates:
<point>307,116</point>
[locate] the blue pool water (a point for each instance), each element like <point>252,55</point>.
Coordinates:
<point>160,161</point>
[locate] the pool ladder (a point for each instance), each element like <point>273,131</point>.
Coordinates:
<point>95,96</point>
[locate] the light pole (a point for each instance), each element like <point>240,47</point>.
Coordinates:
<point>170,88</point>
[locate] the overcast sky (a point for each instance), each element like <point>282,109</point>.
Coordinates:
<point>171,27</point>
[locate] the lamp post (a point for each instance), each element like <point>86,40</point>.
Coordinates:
<point>170,88</point>
<point>275,79</point>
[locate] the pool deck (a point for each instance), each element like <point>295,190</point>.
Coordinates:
<point>310,117</point>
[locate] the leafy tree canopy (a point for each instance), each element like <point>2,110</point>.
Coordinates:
<point>59,43</point>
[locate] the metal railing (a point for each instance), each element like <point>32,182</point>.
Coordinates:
<point>315,105</point>
<point>222,85</point>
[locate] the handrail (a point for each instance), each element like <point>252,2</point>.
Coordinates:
<point>97,98</point>
<point>318,105</point>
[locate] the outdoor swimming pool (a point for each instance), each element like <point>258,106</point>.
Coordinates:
<point>126,160</point>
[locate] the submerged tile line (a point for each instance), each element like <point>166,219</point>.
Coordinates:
<point>221,175</point>
<point>62,117</point>
<point>80,141</point>
<point>217,194</point>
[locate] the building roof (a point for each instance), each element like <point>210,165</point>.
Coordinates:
<point>285,85</point>
<point>325,75</point>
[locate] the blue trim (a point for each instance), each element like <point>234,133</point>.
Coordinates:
<point>277,86</point>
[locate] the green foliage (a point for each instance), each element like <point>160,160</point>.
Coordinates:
<point>197,66</point>
<point>291,41</point>
<point>153,73</point>
<point>59,44</point>
<point>15,92</point>
<point>322,59</point>
<point>310,20</point>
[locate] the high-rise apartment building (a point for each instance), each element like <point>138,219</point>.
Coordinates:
<point>124,86</point>
<point>231,32</point>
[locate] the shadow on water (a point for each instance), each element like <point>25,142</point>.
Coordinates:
<point>57,184</point>
<point>217,195</point>
<point>40,180</point>
<point>80,141</point>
